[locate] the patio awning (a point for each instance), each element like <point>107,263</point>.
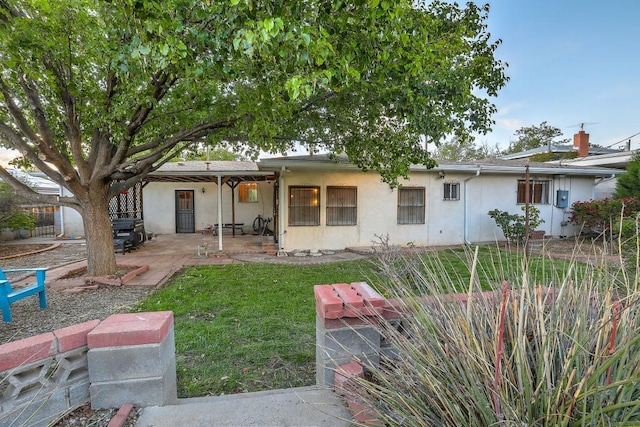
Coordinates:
<point>209,171</point>
<point>231,173</point>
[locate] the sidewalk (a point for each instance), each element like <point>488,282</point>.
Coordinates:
<point>304,406</point>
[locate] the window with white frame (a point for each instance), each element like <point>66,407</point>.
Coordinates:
<point>538,191</point>
<point>451,191</point>
<point>304,205</point>
<point>342,206</point>
<point>411,205</point>
<point>248,192</point>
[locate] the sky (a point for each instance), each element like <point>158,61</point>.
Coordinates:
<point>569,62</point>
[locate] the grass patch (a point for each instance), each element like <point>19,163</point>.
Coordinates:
<point>251,327</point>
<point>246,327</point>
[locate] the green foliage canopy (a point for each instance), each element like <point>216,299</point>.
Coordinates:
<point>465,151</point>
<point>530,137</point>
<point>628,184</point>
<point>97,94</point>
<point>122,84</point>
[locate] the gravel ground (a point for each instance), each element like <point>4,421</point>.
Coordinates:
<point>66,309</point>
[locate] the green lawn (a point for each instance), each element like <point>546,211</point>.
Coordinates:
<point>246,327</point>
<point>250,327</point>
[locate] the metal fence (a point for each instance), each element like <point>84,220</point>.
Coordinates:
<point>45,220</point>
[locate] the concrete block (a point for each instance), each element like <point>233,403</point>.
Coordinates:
<point>71,366</point>
<point>337,347</point>
<point>40,411</point>
<point>157,391</point>
<point>79,393</point>
<point>350,342</point>
<point>131,362</point>
<point>28,381</point>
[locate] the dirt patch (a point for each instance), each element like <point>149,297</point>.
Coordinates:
<point>17,249</point>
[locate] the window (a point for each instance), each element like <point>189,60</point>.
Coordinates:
<point>451,191</point>
<point>304,205</point>
<point>341,205</point>
<point>538,191</point>
<point>411,205</point>
<point>248,192</point>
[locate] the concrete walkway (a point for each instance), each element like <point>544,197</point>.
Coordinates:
<point>304,406</point>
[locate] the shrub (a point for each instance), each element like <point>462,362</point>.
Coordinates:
<point>525,357</point>
<point>601,214</point>
<point>11,215</point>
<point>513,225</point>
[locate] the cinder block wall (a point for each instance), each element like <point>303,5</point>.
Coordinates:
<point>42,377</point>
<point>346,320</point>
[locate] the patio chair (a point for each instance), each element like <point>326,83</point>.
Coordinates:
<point>8,295</point>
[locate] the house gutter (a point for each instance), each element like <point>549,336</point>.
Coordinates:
<point>466,205</point>
<point>219,194</point>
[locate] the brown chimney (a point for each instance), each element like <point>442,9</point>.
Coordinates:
<point>581,141</point>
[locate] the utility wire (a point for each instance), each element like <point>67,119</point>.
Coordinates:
<point>622,140</point>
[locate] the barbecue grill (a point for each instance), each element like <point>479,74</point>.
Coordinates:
<point>128,233</point>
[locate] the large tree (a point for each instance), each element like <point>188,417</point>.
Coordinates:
<point>457,150</point>
<point>98,93</point>
<point>530,137</point>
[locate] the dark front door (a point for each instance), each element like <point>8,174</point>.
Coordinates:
<point>185,219</point>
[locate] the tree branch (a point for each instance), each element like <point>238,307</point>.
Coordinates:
<point>161,83</point>
<point>72,126</point>
<point>46,151</point>
<point>15,141</point>
<point>24,190</point>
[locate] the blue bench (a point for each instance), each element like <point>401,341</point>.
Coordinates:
<point>8,296</point>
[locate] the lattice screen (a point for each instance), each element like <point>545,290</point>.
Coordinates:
<point>127,204</point>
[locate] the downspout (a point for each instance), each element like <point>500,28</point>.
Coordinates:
<point>466,206</point>
<point>219,213</point>
<point>595,184</point>
<point>281,230</point>
<point>61,213</point>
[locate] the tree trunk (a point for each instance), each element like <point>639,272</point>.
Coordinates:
<point>101,259</point>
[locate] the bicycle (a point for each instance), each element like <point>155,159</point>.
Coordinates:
<point>261,226</point>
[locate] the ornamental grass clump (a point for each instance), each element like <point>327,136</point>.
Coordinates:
<point>564,352</point>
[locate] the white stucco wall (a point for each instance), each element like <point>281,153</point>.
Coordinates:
<point>159,205</point>
<point>445,220</point>
<point>71,219</point>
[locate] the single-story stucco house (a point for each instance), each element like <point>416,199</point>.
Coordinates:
<point>324,202</point>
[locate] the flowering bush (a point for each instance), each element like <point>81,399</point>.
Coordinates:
<point>602,213</point>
